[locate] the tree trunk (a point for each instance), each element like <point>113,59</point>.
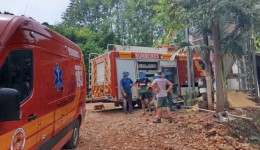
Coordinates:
<point>208,73</point>
<point>224,80</point>
<point>219,82</point>
<point>209,81</point>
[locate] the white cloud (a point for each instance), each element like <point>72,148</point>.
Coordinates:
<point>41,10</point>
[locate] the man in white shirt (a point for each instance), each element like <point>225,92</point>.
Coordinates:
<point>159,86</point>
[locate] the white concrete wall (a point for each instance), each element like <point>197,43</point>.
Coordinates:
<point>233,84</point>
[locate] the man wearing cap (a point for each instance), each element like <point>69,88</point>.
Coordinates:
<point>159,86</point>
<point>142,84</point>
<point>125,86</point>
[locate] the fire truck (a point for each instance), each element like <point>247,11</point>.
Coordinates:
<point>42,87</point>
<point>105,70</point>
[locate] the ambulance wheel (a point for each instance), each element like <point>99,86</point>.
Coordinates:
<point>72,143</point>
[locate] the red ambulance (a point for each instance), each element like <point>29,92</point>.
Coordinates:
<point>42,87</point>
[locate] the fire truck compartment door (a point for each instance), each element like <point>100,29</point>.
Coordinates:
<point>130,66</point>
<point>166,63</point>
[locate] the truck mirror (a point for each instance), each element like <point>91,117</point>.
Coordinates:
<point>9,105</point>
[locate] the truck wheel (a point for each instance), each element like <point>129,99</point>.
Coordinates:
<point>72,143</point>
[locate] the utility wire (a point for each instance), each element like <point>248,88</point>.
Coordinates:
<point>28,1</point>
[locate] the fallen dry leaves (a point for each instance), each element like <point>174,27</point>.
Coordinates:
<point>113,130</point>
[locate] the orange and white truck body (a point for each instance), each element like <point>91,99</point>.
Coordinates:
<point>199,68</point>
<point>106,69</point>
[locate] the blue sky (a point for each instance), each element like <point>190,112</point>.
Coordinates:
<point>41,10</point>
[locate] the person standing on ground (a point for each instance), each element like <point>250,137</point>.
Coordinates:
<point>142,84</point>
<point>167,74</point>
<point>153,93</point>
<point>125,86</point>
<point>159,86</point>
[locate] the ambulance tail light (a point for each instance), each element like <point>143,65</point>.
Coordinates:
<point>9,105</point>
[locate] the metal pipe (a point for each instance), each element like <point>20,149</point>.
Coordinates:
<point>207,110</point>
<point>255,72</point>
<point>89,68</point>
<point>192,71</point>
<point>228,114</point>
<point>90,54</point>
<point>109,45</point>
<point>188,68</point>
<point>236,116</point>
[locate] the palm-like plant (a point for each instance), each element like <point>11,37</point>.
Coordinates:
<point>230,22</point>
<point>203,51</point>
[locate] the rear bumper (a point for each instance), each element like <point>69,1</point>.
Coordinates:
<point>106,99</point>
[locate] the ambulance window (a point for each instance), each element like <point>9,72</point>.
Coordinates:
<point>17,72</point>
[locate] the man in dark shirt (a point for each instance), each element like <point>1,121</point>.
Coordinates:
<point>125,86</point>
<point>142,84</point>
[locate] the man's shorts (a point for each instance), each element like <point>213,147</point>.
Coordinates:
<point>144,96</point>
<point>162,102</point>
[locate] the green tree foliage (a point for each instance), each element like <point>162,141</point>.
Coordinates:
<point>137,23</point>
<point>200,13</point>
<point>88,40</point>
<point>172,17</point>
<point>93,24</point>
<point>130,22</point>
<point>257,41</point>
<point>228,22</point>
<point>257,27</point>
<point>91,13</point>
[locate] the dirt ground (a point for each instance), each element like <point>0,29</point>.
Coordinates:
<point>238,99</point>
<point>110,129</point>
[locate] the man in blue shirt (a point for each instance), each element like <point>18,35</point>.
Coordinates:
<point>125,86</point>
